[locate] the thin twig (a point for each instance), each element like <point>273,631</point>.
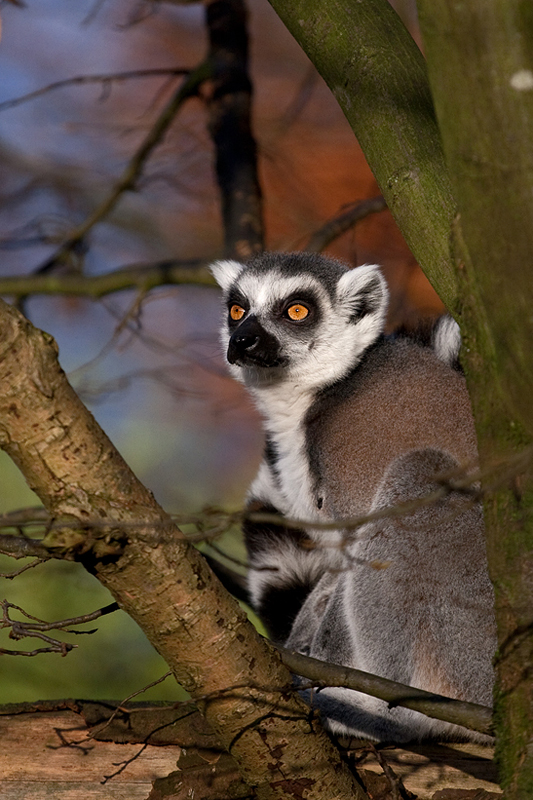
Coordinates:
<point>39,650</point>
<point>131,174</point>
<point>396,784</point>
<point>213,522</point>
<point>123,764</point>
<point>343,222</point>
<point>35,628</point>
<point>40,625</point>
<point>120,707</point>
<point>10,575</point>
<point>87,79</point>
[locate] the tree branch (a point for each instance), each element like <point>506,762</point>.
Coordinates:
<point>230,127</point>
<point>378,75</point>
<point>335,227</point>
<point>321,674</point>
<point>167,587</point>
<point>35,629</point>
<point>86,79</point>
<point>480,67</point>
<point>20,547</point>
<point>142,277</point>
<point>131,174</point>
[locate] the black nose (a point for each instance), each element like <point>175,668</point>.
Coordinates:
<point>245,341</point>
<point>251,344</point>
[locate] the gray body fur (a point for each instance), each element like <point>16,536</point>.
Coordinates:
<point>356,423</point>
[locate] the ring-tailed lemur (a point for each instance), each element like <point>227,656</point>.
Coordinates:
<point>356,422</point>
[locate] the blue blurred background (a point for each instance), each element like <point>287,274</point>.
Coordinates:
<point>150,367</point>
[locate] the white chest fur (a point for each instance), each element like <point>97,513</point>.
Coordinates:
<point>284,413</point>
<point>288,483</point>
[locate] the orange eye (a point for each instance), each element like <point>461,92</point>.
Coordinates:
<point>297,312</point>
<point>236,312</point>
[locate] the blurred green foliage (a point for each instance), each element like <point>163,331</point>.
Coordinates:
<point>111,663</point>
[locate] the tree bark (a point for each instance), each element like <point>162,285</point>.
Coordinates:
<point>481,71</point>
<point>480,61</point>
<point>378,75</point>
<point>230,127</point>
<point>153,738</point>
<point>116,529</point>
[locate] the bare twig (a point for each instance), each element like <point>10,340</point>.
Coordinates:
<point>21,547</point>
<point>10,575</point>
<point>395,782</point>
<point>211,523</point>
<point>63,650</point>
<point>39,625</point>
<point>23,516</point>
<point>123,764</point>
<point>36,627</point>
<point>99,729</point>
<point>343,222</point>
<point>301,98</point>
<point>131,174</point>
<point>113,77</point>
<point>142,277</point>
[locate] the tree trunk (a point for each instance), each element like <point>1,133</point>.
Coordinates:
<point>116,529</point>
<point>480,58</point>
<point>230,127</point>
<point>378,75</point>
<point>481,67</point>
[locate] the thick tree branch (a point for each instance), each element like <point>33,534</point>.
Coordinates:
<point>167,587</point>
<point>479,58</point>
<point>481,70</point>
<point>378,75</point>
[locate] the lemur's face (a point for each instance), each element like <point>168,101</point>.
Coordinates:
<point>285,320</point>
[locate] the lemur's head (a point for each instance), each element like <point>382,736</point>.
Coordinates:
<point>298,316</point>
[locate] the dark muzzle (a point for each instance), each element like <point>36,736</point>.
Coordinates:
<point>251,344</point>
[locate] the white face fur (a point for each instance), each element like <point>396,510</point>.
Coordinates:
<point>297,326</point>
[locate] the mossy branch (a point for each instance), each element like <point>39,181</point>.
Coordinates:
<point>378,75</point>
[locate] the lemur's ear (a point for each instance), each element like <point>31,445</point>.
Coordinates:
<point>363,292</point>
<point>225,272</point>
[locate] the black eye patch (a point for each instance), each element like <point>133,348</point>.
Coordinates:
<point>236,298</point>
<point>307,299</point>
